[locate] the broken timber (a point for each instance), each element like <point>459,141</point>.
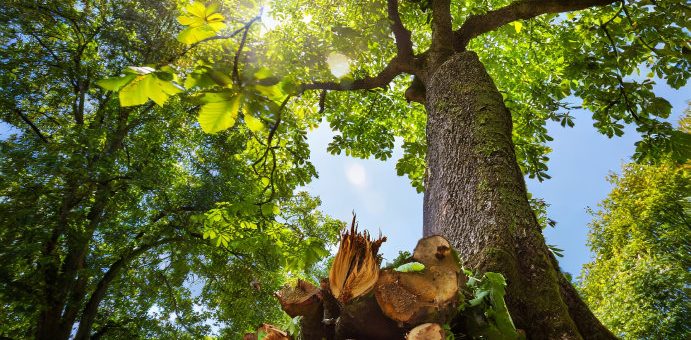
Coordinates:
<point>359,300</point>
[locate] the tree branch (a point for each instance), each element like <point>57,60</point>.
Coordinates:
<point>442,31</point>
<point>404,44</point>
<point>476,25</point>
<point>236,74</point>
<point>91,307</point>
<point>403,62</point>
<point>395,67</point>
<point>32,125</point>
<point>242,29</point>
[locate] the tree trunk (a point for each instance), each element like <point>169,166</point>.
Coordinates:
<point>476,197</point>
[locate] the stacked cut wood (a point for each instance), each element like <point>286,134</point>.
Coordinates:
<point>359,300</point>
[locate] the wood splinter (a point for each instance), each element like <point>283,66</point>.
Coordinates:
<point>352,279</point>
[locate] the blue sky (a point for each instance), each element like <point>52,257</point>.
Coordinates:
<point>580,161</point>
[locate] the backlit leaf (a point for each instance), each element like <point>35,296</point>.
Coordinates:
<point>254,124</point>
<point>202,22</point>
<point>517,25</point>
<point>145,87</point>
<point>410,267</point>
<point>114,84</point>
<point>220,115</point>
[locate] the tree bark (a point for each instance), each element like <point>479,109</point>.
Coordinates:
<point>475,196</point>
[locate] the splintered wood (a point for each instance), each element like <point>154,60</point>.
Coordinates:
<point>355,268</point>
<point>361,301</point>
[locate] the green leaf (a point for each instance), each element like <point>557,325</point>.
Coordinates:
<point>410,267</point>
<point>193,35</point>
<point>661,107</point>
<point>479,296</point>
<point>254,124</point>
<point>114,84</point>
<point>219,115</point>
<point>262,73</point>
<point>135,92</point>
<point>202,22</point>
<point>266,181</point>
<point>517,25</point>
<point>145,87</point>
<point>272,92</point>
<point>270,209</point>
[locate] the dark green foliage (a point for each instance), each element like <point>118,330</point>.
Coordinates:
<point>485,315</point>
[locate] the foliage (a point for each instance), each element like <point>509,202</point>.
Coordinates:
<point>121,217</point>
<point>486,315</point>
<point>536,70</point>
<point>638,282</point>
<point>410,267</point>
<point>403,257</point>
<point>130,193</point>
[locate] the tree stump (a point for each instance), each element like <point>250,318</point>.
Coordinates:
<point>361,301</point>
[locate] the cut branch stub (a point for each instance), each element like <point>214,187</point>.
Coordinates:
<point>436,251</point>
<point>429,295</point>
<point>306,300</point>
<point>267,332</point>
<point>355,269</point>
<point>303,298</point>
<point>427,331</point>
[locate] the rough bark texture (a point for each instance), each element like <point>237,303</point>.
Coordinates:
<point>476,197</point>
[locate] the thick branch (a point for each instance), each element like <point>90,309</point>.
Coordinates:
<point>404,44</point>
<point>442,31</point>
<point>395,67</point>
<point>520,10</point>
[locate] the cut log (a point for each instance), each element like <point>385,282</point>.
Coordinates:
<point>362,318</point>
<point>267,332</point>
<point>305,300</point>
<point>436,251</point>
<point>427,331</point>
<point>430,295</point>
<point>360,301</point>
<point>413,298</point>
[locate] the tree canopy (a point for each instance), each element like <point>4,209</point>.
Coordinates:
<point>131,220</point>
<point>160,145</point>
<point>637,284</point>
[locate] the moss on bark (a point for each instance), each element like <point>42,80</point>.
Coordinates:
<point>475,195</point>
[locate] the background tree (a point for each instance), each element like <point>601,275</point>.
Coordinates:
<point>489,74</point>
<point>638,283</point>
<point>105,208</point>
